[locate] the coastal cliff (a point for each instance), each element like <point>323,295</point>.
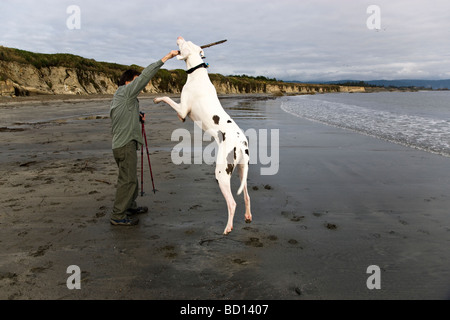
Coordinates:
<point>24,73</point>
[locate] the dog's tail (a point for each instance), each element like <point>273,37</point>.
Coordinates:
<point>244,179</point>
<point>245,158</point>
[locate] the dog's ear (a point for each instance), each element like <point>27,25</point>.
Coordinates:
<point>202,53</point>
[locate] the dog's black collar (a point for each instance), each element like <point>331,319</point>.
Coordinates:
<point>203,65</point>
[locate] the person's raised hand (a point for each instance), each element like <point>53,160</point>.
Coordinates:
<point>170,55</point>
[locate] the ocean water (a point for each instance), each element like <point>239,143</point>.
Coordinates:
<point>418,120</point>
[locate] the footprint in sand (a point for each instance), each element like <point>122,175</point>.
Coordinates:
<point>292,216</point>
<point>240,261</point>
<point>295,243</point>
<point>40,251</point>
<point>254,242</point>
<point>168,251</point>
<point>330,226</point>
<point>250,229</point>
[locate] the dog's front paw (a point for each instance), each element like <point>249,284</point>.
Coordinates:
<point>181,118</point>
<point>157,100</point>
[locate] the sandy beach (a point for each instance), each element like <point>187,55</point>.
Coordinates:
<point>339,203</point>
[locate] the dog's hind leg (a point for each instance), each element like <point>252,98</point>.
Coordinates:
<point>248,214</point>
<point>223,176</point>
<point>225,187</point>
<point>181,110</point>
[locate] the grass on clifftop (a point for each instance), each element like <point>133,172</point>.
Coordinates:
<point>165,80</point>
<point>42,60</point>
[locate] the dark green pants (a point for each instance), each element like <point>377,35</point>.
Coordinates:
<point>127,183</point>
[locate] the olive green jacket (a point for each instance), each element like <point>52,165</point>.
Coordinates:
<point>124,111</point>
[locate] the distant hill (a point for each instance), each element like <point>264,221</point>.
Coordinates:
<point>402,83</point>
<point>429,84</point>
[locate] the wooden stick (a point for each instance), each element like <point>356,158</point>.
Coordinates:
<point>213,44</point>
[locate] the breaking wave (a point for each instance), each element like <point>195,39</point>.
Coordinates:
<point>412,130</point>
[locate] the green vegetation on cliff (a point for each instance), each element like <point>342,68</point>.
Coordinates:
<point>173,78</point>
<point>170,81</point>
<point>166,79</point>
<point>42,60</point>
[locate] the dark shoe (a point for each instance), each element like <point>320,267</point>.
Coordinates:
<point>138,210</point>
<point>125,222</point>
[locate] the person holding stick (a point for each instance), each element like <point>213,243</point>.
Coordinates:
<point>127,139</point>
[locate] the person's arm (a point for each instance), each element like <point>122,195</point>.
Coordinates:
<point>170,55</point>
<point>138,84</point>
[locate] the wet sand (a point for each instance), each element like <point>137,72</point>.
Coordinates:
<point>339,203</point>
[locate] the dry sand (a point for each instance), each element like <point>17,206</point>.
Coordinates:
<point>339,203</point>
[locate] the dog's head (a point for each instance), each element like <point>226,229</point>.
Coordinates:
<point>189,51</point>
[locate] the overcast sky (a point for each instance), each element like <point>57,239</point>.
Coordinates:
<point>285,39</point>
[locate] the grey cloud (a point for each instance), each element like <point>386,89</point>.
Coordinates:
<point>286,39</point>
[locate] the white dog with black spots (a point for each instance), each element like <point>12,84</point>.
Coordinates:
<point>199,101</point>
